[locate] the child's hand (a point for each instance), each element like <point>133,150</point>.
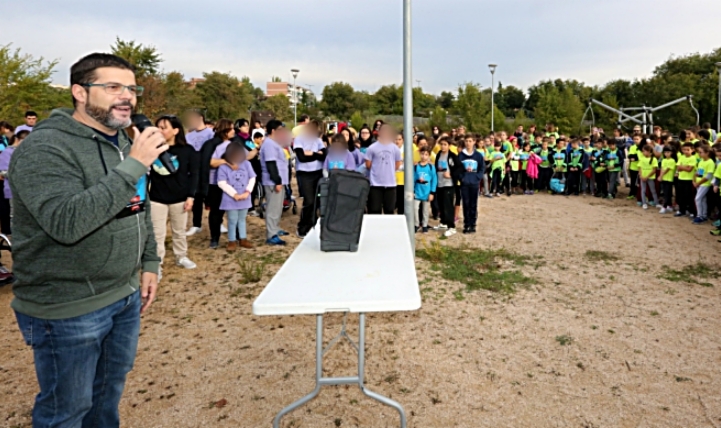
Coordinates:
<point>715,189</point>
<point>430,197</point>
<point>233,166</point>
<point>238,197</point>
<point>447,174</point>
<point>307,153</point>
<point>244,196</point>
<point>695,184</point>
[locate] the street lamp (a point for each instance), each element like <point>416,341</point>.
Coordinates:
<point>295,72</point>
<point>718,118</point>
<point>492,67</point>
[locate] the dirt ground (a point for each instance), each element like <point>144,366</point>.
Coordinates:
<point>592,344</point>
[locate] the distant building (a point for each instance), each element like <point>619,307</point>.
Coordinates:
<point>59,86</point>
<point>284,88</point>
<point>194,82</point>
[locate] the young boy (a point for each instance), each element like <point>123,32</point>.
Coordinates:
<point>575,161</point>
<point>633,153</point>
<point>498,169</point>
<point>586,182</point>
<point>426,181</point>
<point>526,181</point>
<point>471,177</point>
<point>614,163</point>
<point>448,170</point>
<point>599,165</point>
<point>686,170</point>
<point>647,167</point>
<point>668,169</point>
<point>558,155</point>
<point>544,168</point>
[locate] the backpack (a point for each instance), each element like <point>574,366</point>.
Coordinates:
<point>343,197</point>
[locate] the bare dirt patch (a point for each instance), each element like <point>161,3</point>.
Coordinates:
<point>614,330</point>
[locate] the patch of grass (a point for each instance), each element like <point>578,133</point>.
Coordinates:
<point>251,271</point>
<point>691,274</point>
<point>458,294</point>
<point>477,269</point>
<point>654,313</point>
<point>564,340</point>
<point>600,256</point>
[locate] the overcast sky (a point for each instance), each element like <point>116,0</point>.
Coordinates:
<point>360,42</point>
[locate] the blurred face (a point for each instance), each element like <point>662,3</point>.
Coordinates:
<point>111,111</point>
<point>612,146</point>
<point>636,139</point>
<point>436,130</point>
<point>504,137</point>
<point>31,120</point>
<point>399,140</point>
<point>167,130</point>
<point>346,134</point>
<point>386,134</point>
<point>257,125</point>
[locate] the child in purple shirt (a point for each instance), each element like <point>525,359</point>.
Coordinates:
<point>338,156</point>
<point>5,201</point>
<point>237,186</point>
<point>383,159</point>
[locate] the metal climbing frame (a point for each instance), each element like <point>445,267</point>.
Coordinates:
<point>644,118</point>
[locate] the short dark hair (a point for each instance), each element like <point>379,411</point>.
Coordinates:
<point>7,125</point>
<point>424,150</point>
<point>83,71</point>
<point>688,144</point>
<point>22,134</point>
<point>272,125</point>
<point>258,134</point>
<point>704,134</point>
<point>338,138</point>
<point>30,113</point>
<point>241,122</point>
<point>303,118</point>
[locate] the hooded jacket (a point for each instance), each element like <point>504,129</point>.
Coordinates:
<point>77,245</point>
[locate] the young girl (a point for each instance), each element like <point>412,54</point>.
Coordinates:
<point>544,168</point>
<point>448,169</point>
<point>5,202</point>
<point>668,170</point>
<point>702,182</point>
<point>383,159</point>
<point>716,183</point>
<point>236,179</point>
<point>498,169</point>
<point>526,180</point>
<point>647,167</point>
<point>339,157</point>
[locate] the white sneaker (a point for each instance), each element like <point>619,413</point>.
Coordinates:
<point>440,227</point>
<point>186,263</point>
<point>645,206</point>
<point>192,231</point>
<point>692,215</point>
<point>160,273</point>
<point>662,211</point>
<point>223,229</point>
<point>450,232</point>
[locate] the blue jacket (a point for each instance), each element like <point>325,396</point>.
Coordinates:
<point>478,166</point>
<point>426,180</point>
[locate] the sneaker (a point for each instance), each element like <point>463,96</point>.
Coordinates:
<point>283,233</point>
<point>214,245</point>
<point>679,214</point>
<point>644,206</point>
<point>653,204</point>
<point>466,231</point>
<point>192,231</point>
<point>416,229</point>
<point>530,192</point>
<point>610,197</point>
<point>160,273</point>
<point>472,230</point>
<point>715,232</point>
<point>186,263</point>
<point>692,215</point>
<point>440,227</point>
<point>275,241</point>
<point>717,223</point>
<point>640,204</point>
<point>662,211</point>
<point>253,213</point>
<point>630,198</point>
<point>488,195</point>
<point>450,232</point>
<point>425,229</point>
<point>699,220</point>
<point>223,229</point>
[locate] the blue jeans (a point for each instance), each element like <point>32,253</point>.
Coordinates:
<point>81,364</point>
<point>236,223</point>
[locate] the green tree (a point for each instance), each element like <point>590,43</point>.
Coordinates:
<point>25,83</point>
<point>357,120</point>
<point>473,108</point>
<point>146,59</point>
<point>178,97</point>
<point>439,118</point>
<point>280,106</point>
<point>388,100</point>
<point>510,99</point>
<point>562,108</point>
<point>445,100</point>
<point>224,96</point>
<point>338,100</point>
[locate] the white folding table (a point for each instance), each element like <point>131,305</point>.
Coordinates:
<point>379,277</point>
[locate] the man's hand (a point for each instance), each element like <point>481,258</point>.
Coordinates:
<point>188,205</point>
<point>148,145</point>
<point>148,289</point>
<point>278,188</point>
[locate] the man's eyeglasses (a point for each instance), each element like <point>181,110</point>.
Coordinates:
<point>117,88</point>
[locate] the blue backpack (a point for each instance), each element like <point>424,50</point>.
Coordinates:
<point>557,185</point>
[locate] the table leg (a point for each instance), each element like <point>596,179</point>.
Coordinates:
<point>361,365</point>
<point>318,373</point>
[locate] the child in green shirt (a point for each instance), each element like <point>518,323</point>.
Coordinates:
<point>685,168</point>
<point>647,167</point>
<point>668,170</point>
<point>702,182</point>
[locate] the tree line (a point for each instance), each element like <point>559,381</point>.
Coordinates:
<point>25,82</point>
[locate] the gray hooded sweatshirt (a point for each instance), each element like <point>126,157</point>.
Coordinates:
<point>78,241</point>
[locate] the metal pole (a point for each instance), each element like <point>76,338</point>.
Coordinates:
<point>493,89</point>
<point>408,124</point>
<point>295,103</point>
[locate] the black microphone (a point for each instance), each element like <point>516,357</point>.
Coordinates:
<point>141,122</point>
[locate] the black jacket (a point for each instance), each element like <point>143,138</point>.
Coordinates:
<point>181,185</point>
<point>454,164</point>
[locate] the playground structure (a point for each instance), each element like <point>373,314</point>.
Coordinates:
<point>644,118</point>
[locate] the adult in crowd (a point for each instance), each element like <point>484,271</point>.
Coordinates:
<point>199,134</point>
<point>6,200</point>
<point>224,133</point>
<point>302,121</point>
<point>82,237</point>
<point>383,159</point>
<point>257,139</point>
<point>274,176</point>
<point>171,195</point>
<point>310,153</point>
<point>242,130</point>
<point>31,118</point>
<point>436,133</point>
<point>365,138</point>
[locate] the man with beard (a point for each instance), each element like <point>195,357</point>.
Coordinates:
<point>84,253</point>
